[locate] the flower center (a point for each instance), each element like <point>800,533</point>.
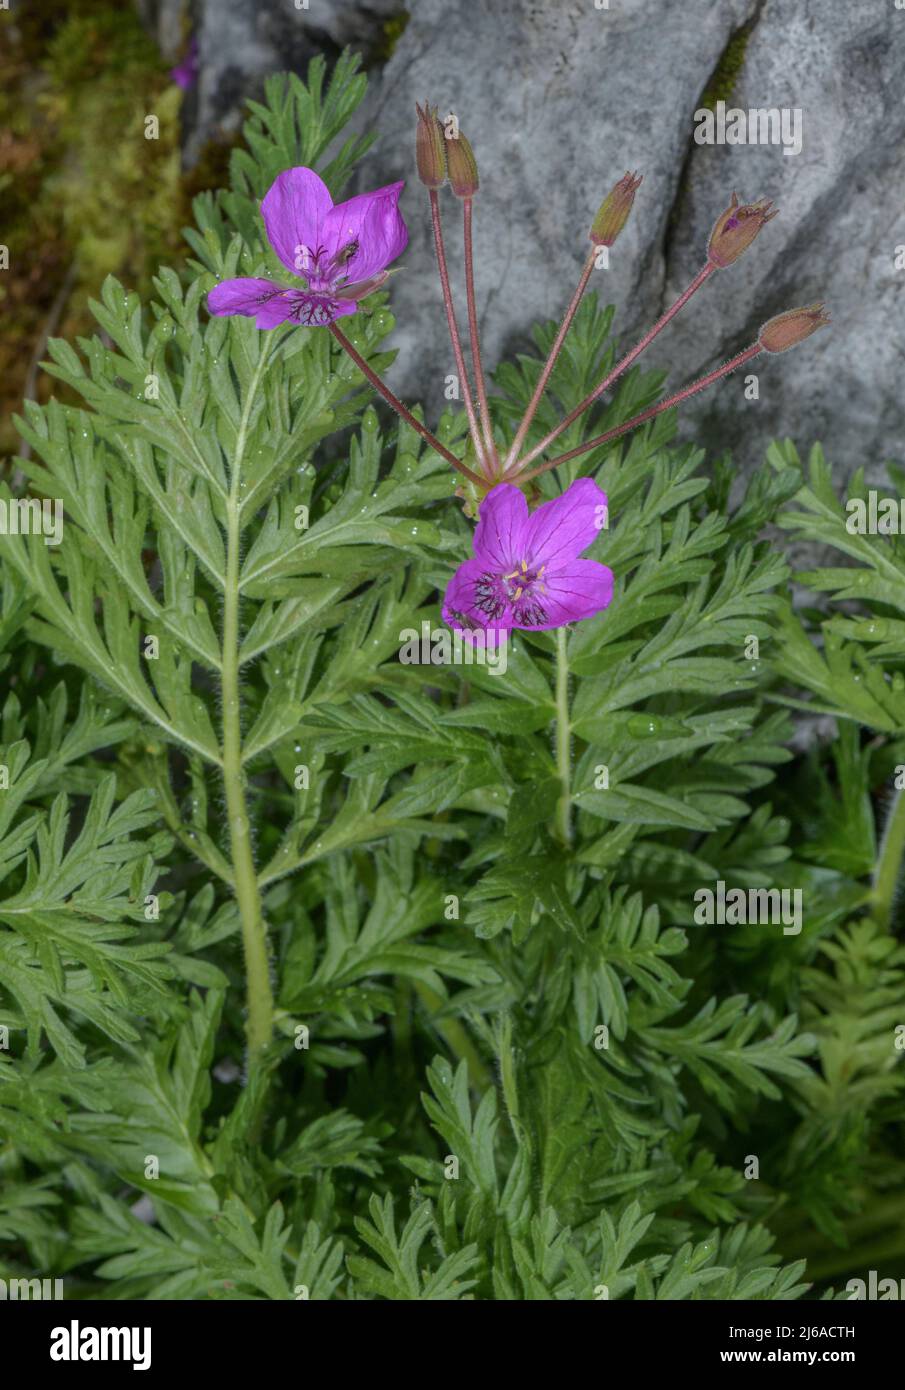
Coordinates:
<point>325,273</point>
<point>522,590</point>
<point>309,309</point>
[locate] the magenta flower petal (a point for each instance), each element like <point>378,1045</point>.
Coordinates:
<point>526,572</point>
<point>499,538</point>
<point>295,208</point>
<point>579,590</point>
<point>268,304</point>
<point>340,252</point>
<point>185,74</point>
<point>560,530</point>
<point>371,224</point>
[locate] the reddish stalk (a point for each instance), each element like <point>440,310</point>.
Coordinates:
<point>480,383</point>
<point>402,410</point>
<point>454,327</point>
<point>628,359</point>
<point>649,414</point>
<point>544,377</point>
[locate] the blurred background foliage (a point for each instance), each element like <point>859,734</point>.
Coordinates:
<point>84,192</point>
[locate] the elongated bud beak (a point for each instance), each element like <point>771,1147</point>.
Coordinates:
<point>430,147</point>
<point>614,210</point>
<point>789,329</point>
<point>463,168</point>
<point>736,228</point>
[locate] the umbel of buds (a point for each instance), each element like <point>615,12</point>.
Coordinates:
<point>462,165</point>
<point>614,210</point>
<point>789,329</point>
<point>736,228</point>
<point>430,148</point>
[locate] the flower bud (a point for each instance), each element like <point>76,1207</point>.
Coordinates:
<point>736,228</point>
<point>430,148</point>
<point>614,210</point>
<point>789,329</point>
<point>463,169</point>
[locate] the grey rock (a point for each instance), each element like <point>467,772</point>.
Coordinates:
<point>166,20</point>
<point>558,102</point>
<point>841,218</point>
<point>559,98</point>
<point>239,45</point>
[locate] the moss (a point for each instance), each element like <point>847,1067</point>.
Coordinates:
<point>724,78</point>
<point>720,87</point>
<point>392,30</point>
<point>82,185</point>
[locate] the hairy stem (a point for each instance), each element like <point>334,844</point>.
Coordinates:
<point>400,409</point>
<point>889,861</point>
<point>455,1035</point>
<point>259,1020</point>
<point>480,383</point>
<point>620,367</point>
<point>692,390</point>
<point>544,377</point>
<point>454,327</point>
<point>563,738</point>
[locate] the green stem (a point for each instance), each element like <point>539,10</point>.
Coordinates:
<point>563,738</point>
<point>875,1234</point>
<point>889,862</point>
<point>259,1020</point>
<point>886,1253</point>
<point>455,1035</point>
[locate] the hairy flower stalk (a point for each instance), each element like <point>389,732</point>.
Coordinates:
<point>716,375</point>
<point>605,228</point>
<point>480,382</point>
<point>540,388</point>
<point>455,340</point>
<point>259,1019</point>
<point>612,377</point>
<point>402,410</point>
<point>462,169</point>
<point>733,233</point>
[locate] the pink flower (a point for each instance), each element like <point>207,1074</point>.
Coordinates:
<point>185,74</point>
<point>526,572</point>
<point>341,251</point>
